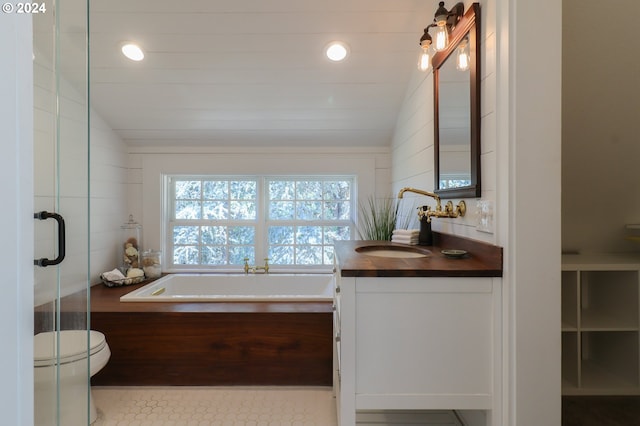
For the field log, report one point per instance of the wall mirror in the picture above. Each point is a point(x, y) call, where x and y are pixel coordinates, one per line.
point(457, 111)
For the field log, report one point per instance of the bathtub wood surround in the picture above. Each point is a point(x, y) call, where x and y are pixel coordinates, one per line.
point(417, 333)
point(211, 343)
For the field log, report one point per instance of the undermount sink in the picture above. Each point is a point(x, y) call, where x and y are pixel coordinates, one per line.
point(393, 251)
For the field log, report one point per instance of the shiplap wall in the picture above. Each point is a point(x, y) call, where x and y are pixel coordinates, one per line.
point(146, 166)
point(412, 155)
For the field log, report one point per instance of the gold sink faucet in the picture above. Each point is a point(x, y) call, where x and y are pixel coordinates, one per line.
point(448, 211)
point(421, 192)
point(256, 269)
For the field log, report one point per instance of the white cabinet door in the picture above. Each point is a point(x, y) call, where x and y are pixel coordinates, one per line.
point(423, 343)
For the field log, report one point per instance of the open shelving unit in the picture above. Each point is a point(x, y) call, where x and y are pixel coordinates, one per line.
point(600, 325)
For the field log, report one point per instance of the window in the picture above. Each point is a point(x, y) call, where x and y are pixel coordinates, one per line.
point(213, 221)
point(305, 217)
point(219, 221)
point(448, 181)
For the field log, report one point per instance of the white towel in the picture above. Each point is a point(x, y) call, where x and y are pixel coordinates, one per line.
point(408, 232)
point(404, 240)
point(114, 275)
point(405, 237)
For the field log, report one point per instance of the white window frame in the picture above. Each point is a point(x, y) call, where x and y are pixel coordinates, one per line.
point(261, 223)
point(301, 222)
point(173, 222)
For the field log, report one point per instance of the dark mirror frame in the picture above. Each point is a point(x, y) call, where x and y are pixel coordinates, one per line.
point(468, 24)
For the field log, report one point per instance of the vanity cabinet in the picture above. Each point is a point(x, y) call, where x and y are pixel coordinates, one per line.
point(600, 325)
point(415, 343)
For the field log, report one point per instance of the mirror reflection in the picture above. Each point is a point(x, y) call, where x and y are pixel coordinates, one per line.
point(454, 129)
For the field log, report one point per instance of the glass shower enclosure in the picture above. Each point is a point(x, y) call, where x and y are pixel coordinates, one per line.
point(61, 217)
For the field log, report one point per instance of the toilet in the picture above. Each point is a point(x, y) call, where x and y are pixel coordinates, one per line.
point(73, 375)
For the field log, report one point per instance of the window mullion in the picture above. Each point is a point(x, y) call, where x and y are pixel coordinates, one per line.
point(261, 227)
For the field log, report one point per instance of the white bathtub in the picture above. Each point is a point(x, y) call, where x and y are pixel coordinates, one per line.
point(235, 288)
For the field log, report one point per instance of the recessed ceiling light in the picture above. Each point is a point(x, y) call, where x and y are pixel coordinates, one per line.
point(132, 51)
point(337, 51)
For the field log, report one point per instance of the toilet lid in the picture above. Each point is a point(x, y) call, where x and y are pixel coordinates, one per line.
point(73, 346)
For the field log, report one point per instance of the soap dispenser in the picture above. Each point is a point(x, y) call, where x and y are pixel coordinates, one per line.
point(425, 237)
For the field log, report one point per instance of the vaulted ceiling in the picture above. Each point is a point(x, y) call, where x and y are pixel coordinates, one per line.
point(252, 72)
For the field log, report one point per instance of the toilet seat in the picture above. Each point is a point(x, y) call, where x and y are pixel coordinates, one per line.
point(73, 346)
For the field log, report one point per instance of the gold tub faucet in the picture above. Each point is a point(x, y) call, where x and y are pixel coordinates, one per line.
point(256, 269)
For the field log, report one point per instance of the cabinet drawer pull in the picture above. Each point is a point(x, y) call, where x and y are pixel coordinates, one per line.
point(338, 289)
point(338, 337)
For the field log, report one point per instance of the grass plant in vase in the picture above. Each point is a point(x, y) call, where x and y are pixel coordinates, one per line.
point(377, 218)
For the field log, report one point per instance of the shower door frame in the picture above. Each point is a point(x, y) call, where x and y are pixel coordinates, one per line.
point(16, 252)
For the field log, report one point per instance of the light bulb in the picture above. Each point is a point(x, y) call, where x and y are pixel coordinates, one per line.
point(424, 58)
point(462, 61)
point(423, 61)
point(441, 38)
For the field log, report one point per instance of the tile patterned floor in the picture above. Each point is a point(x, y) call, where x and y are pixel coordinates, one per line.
point(209, 406)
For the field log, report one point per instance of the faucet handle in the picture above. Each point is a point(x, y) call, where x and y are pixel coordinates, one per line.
point(449, 207)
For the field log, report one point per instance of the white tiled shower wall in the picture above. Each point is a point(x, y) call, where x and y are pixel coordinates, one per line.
point(108, 184)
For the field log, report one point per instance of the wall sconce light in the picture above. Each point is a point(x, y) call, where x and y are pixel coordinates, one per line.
point(424, 59)
point(444, 22)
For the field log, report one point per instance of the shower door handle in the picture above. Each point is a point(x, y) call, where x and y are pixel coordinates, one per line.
point(43, 215)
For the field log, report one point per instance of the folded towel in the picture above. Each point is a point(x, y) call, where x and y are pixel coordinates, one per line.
point(404, 240)
point(114, 275)
point(406, 232)
point(407, 243)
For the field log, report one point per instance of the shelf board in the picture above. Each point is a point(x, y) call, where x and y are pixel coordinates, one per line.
point(601, 262)
point(572, 390)
point(568, 385)
point(606, 329)
point(569, 327)
point(592, 320)
point(597, 378)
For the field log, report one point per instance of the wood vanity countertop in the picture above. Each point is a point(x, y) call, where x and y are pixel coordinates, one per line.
point(481, 260)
